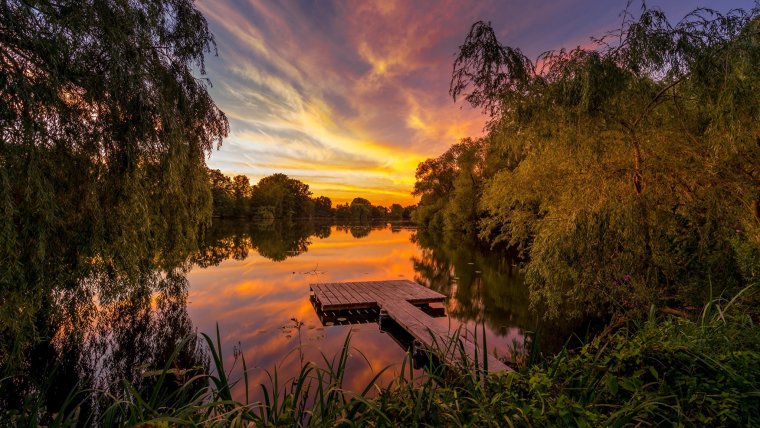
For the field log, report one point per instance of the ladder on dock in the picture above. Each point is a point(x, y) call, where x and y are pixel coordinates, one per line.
point(398, 300)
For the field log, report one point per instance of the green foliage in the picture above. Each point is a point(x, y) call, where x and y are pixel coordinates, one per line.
point(288, 198)
point(231, 196)
point(241, 190)
point(626, 175)
point(279, 197)
point(396, 212)
point(664, 371)
point(221, 193)
point(361, 209)
point(450, 185)
point(104, 129)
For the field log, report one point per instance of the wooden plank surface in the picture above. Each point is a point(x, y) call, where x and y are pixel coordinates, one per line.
point(437, 338)
point(355, 295)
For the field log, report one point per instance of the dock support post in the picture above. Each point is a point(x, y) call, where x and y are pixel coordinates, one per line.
point(419, 357)
point(417, 349)
point(383, 318)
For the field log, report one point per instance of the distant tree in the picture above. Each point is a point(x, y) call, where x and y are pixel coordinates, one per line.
point(396, 212)
point(221, 193)
point(343, 211)
point(241, 193)
point(287, 198)
point(379, 212)
point(323, 207)
point(361, 209)
point(408, 212)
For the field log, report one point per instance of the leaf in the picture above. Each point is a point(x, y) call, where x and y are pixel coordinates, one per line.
point(612, 384)
point(654, 372)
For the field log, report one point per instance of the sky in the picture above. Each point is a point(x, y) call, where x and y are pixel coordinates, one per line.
point(349, 96)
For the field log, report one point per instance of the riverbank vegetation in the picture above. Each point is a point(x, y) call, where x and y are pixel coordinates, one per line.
point(664, 370)
point(104, 131)
point(625, 174)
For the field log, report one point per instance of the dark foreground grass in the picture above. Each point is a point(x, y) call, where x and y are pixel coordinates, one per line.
point(660, 371)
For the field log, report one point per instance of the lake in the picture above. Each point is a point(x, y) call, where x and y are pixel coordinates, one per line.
point(258, 290)
point(252, 281)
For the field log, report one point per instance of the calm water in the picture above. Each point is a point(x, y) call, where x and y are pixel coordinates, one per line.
point(252, 281)
point(257, 286)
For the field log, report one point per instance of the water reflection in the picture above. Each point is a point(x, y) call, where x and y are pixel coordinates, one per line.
point(254, 299)
point(486, 287)
point(252, 280)
point(274, 240)
point(109, 327)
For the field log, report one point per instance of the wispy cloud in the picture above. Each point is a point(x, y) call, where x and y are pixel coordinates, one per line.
point(350, 96)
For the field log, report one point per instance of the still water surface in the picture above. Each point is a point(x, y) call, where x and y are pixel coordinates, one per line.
point(254, 283)
point(252, 280)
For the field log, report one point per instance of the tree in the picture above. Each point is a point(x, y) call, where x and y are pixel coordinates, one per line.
point(449, 186)
point(626, 174)
point(343, 211)
point(287, 198)
point(105, 124)
point(408, 212)
point(241, 192)
point(361, 209)
point(323, 207)
point(396, 211)
point(221, 193)
point(379, 212)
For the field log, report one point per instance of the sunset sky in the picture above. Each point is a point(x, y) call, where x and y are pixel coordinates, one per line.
point(349, 96)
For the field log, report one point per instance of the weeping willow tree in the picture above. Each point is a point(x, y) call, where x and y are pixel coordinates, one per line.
point(104, 129)
point(627, 174)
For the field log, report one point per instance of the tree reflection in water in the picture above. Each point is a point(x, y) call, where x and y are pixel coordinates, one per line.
point(276, 241)
point(485, 286)
point(112, 320)
point(107, 328)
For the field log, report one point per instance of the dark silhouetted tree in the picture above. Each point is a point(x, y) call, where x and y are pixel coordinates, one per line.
point(323, 207)
point(241, 193)
point(105, 123)
point(361, 209)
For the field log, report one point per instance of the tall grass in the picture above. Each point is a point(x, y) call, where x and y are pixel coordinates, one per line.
point(663, 370)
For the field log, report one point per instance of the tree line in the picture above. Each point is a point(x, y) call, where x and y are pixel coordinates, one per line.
point(626, 175)
point(279, 197)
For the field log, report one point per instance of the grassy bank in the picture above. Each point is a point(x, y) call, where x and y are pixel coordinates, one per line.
point(703, 371)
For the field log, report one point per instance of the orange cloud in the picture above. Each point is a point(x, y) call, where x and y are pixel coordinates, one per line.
point(306, 101)
point(357, 92)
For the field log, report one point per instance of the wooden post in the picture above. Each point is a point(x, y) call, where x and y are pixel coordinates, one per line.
point(417, 349)
point(383, 318)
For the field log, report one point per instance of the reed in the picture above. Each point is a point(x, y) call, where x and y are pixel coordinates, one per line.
point(660, 370)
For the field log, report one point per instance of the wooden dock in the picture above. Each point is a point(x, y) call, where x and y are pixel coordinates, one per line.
point(399, 300)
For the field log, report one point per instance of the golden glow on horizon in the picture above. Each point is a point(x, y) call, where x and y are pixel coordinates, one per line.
point(352, 113)
point(351, 96)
